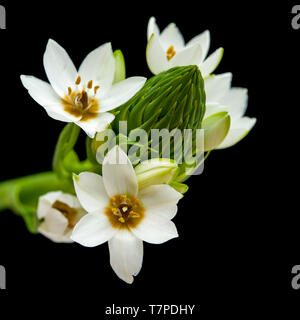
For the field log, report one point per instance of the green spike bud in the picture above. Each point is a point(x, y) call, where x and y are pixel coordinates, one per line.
point(172, 99)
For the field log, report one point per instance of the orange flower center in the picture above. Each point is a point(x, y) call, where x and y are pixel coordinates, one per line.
point(124, 211)
point(170, 53)
point(82, 103)
point(66, 211)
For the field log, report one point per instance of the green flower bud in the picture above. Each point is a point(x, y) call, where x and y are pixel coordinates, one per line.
point(172, 99)
point(155, 171)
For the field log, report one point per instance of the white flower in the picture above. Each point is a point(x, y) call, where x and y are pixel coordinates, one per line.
point(58, 212)
point(82, 97)
point(123, 215)
point(221, 97)
point(167, 49)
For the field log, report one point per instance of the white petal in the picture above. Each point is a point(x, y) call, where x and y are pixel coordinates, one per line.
point(211, 63)
point(118, 174)
point(152, 28)
point(55, 222)
point(212, 108)
point(90, 191)
point(171, 36)
point(65, 238)
point(59, 68)
point(98, 124)
point(236, 101)
point(99, 66)
point(61, 115)
point(156, 56)
point(70, 200)
point(93, 229)
point(216, 87)
point(121, 92)
point(45, 203)
point(40, 91)
point(155, 228)
point(44, 94)
point(204, 40)
point(187, 56)
point(238, 130)
point(162, 198)
point(126, 255)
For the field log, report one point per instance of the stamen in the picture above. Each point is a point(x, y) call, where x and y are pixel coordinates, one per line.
point(78, 80)
point(115, 211)
point(170, 53)
point(122, 220)
point(69, 91)
point(90, 84)
point(96, 89)
point(134, 214)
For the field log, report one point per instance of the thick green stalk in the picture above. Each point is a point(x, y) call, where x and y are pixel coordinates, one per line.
point(21, 195)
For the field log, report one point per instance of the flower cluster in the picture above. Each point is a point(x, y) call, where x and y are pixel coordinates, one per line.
point(117, 195)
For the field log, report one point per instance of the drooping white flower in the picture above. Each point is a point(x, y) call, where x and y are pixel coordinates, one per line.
point(58, 212)
point(167, 49)
point(220, 96)
point(123, 215)
point(82, 97)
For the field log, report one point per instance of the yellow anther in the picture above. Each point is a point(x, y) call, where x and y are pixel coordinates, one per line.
point(69, 91)
point(115, 211)
point(90, 84)
point(122, 220)
point(96, 89)
point(78, 80)
point(170, 53)
point(134, 214)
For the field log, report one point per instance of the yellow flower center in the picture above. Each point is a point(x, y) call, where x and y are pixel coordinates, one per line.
point(67, 211)
point(82, 103)
point(170, 53)
point(124, 211)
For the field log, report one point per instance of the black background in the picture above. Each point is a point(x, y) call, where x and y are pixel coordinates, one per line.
point(238, 229)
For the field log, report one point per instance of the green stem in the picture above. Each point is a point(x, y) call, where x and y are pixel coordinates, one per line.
point(21, 195)
point(65, 144)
